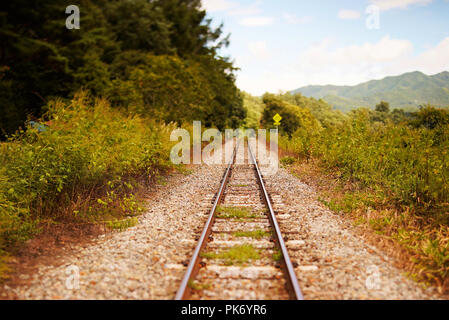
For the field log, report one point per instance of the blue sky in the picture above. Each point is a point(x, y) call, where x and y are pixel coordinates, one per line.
point(287, 44)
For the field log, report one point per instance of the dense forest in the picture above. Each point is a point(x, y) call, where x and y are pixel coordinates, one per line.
point(149, 57)
point(86, 114)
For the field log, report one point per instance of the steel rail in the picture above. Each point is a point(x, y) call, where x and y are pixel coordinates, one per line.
point(289, 271)
point(193, 267)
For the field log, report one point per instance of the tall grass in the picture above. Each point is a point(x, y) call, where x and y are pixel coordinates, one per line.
point(401, 170)
point(411, 164)
point(86, 163)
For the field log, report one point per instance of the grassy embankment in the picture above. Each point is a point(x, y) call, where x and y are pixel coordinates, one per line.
point(387, 171)
point(88, 165)
point(393, 179)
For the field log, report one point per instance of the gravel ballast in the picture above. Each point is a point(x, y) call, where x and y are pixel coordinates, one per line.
point(332, 261)
point(148, 261)
point(133, 264)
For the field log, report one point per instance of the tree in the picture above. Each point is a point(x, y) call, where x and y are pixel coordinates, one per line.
point(191, 34)
point(383, 107)
point(140, 25)
point(320, 109)
point(41, 59)
point(430, 117)
point(293, 117)
point(41, 56)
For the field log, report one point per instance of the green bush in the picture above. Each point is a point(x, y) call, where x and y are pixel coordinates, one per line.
point(402, 167)
point(410, 164)
point(254, 107)
point(320, 109)
point(294, 118)
point(160, 85)
point(404, 161)
point(87, 153)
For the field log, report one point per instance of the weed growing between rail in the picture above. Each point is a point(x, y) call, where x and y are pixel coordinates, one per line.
point(235, 213)
point(236, 255)
point(256, 234)
point(89, 164)
point(277, 255)
point(194, 285)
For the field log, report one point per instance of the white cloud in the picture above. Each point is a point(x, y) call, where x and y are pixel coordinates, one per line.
point(293, 19)
point(433, 60)
point(349, 14)
point(251, 9)
point(385, 50)
point(323, 63)
point(258, 21)
point(232, 8)
point(401, 4)
point(218, 5)
point(259, 50)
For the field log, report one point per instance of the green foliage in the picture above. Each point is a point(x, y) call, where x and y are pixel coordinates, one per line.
point(287, 161)
point(140, 25)
point(227, 111)
point(256, 234)
point(294, 118)
point(113, 54)
point(397, 161)
point(277, 255)
point(235, 213)
point(160, 85)
point(409, 163)
point(298, 126)
point(404, 160)
point(254, 107)
point(431, 118)
point(86, 164)
point(122, 225)
point(320, 109)
point(176, 90)
point(383, 107)
point(156, 61)
point(198, 286)
point(236, 255)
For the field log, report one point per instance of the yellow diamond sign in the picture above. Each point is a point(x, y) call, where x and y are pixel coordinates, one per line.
point(277, 119)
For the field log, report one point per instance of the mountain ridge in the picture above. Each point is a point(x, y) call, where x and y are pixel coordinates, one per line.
point(407, 91)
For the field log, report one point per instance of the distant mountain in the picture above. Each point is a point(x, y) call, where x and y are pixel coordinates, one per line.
point(407, 91)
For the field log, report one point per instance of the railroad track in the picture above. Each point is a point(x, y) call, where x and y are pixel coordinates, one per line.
point(241, 254)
